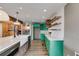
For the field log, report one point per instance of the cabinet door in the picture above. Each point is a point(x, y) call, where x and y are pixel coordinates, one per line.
point(5, 29)
point(22, 50)
point(0, 29)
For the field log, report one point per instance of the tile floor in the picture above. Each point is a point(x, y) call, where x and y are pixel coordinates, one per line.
point(36, 49)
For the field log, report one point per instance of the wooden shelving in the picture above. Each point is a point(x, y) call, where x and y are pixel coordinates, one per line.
point(55, 24)
point(55, 19)
point(50, 21)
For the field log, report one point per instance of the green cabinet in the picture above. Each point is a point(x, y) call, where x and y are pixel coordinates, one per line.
point(42, 37)
point(36, 25)
point(54, 47)
point(43, 26)
point(47, 43)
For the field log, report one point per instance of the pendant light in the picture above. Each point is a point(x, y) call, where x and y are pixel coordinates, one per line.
point(17, 22)
point(27, 27)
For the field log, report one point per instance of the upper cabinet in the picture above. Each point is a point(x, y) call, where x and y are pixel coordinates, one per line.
point(5, 24)
point(6, 29)
point(43, 26)
point(36, 25)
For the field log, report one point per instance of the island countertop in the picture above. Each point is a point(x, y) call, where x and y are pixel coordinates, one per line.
point(22, 38)
point(9, 41)
point(6, 43)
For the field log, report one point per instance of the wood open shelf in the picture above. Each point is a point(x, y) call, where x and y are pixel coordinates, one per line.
point(50, 21)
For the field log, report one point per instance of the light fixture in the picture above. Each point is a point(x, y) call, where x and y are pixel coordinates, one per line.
point(3, 16)
point(44, 10)
point(0, 7)
point(0, 14)
point(17, 22)
point(27, 27)
point(20, 8)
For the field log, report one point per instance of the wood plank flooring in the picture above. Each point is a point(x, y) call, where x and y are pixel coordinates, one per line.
point(36, 49)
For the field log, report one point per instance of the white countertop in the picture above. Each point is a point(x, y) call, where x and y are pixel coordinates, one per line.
point(9, 41)
point(53, 37)
point(6, 43)
point(22, 38)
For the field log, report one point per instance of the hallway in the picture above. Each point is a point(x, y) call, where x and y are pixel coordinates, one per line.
point(36, 49)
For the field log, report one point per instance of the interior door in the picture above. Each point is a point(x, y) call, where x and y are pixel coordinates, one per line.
point(37, 33)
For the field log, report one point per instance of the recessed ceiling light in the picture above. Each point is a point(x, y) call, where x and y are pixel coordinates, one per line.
point(20, 8)
point(44, 10)
point(0, 14)
point(0, 7)
point(15, 16)
point(27, 16)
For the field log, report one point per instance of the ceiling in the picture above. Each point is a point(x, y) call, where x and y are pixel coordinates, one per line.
point(31, 12)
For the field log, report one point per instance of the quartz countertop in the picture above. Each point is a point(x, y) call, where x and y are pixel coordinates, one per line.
point(22, 38)
point(9, 41)
point(6, 43)
point(46, 34)
point(54, 36)
point(49, 37)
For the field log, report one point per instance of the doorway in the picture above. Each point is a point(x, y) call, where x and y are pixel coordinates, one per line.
point(36, 33)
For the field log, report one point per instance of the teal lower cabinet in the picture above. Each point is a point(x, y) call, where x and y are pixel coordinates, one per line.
point(42, 37)
point(47, 43)
point(55, 47)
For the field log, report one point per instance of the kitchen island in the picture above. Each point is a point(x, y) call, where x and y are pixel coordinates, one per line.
point(25, 41)
point(7, 46)
point(10, 45)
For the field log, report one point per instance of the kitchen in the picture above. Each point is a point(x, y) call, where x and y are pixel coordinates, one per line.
point(23, 33)
point(11, 40)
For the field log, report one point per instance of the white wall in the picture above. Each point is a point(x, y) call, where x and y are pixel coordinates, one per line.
point(59, 35)
point(72, 26)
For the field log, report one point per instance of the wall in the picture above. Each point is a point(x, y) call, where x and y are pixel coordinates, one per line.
point(56, 42)
point(58, 35)
point(36, 31)
point(72, 26)
point(31, 31)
